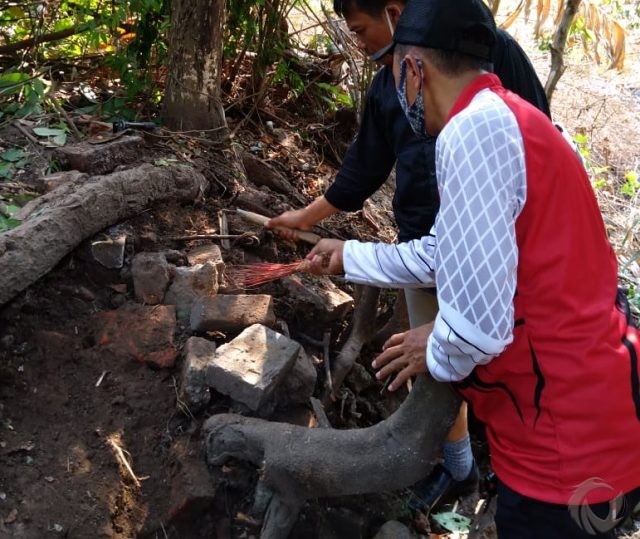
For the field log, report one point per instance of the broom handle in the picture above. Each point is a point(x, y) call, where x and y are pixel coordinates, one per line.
point(258, 219)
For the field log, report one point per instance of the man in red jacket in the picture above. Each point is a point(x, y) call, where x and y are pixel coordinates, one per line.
point(532, 329)
point(385, 140)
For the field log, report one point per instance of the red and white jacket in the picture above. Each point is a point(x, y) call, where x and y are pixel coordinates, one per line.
point(531, 329)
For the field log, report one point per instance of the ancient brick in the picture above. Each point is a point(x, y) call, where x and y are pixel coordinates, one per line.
point(139, 332)
point(206, 253)
point(150, 272)
point(251, 366)
point(189, 284)
point(194, 391)
point(231, 312)
point(318, 297)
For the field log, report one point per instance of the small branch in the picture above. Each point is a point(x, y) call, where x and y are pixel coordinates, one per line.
point(26, 133)
point(34, 141)
point(223, 225)
point(72, 125)
point(54, 36)
point(120, 457)
point(318, 411)
point(326, 340)
point(223, 237)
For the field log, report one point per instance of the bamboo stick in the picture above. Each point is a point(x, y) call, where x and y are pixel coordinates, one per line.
point(258, 219)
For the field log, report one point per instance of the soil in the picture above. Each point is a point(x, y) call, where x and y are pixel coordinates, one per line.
point(64, 401)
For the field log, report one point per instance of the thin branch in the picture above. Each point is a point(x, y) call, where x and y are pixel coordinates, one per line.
point(54, 36)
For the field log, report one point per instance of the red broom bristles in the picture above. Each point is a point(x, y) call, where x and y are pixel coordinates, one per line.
point(253, 275)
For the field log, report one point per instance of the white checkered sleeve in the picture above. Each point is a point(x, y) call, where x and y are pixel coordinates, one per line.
point(471, 253)
point(480, 165)
point(406, 265)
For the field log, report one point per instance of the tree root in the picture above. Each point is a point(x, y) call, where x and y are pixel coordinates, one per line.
point(300, 463)
point(362, 330)
point(62, 219)
point(398, 323)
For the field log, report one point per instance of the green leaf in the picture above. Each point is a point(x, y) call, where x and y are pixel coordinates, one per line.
point(6, 172)
point(579, 138)
point(11, 79)
point(60, 140)
point(47, 132)
point(7, 223)
point(13, 154)
point(631, 176)
point(453, 522)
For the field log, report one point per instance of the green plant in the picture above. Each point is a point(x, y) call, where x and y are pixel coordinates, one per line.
point(633, 297)
point(630, 184)
point(128, 34)
point(54, 136)
point(334, 96)
point(22, 93)
point(12, 159)
point(7, 216)
point(582, 142)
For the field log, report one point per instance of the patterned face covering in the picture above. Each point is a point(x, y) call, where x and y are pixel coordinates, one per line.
point(415, 112)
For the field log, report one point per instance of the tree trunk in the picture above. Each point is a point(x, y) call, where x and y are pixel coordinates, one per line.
point(192, 99)
point(558, 46)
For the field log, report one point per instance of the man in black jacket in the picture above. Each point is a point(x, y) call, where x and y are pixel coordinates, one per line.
point(386, 139)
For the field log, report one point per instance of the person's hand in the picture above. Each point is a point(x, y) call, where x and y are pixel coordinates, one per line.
point(326, 257)
point(404, 353)
point(294, 219)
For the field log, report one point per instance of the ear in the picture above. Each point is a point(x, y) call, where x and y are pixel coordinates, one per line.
point(395, 10)
point(414, 73)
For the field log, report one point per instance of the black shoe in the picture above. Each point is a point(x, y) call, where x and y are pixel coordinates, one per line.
point(426, 493)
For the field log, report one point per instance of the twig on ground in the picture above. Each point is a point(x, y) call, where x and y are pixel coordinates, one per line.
point(104, 373)
point(223, 237)
point(318, 411)
point(387, 381)
point(326, 340)
point(181, 404)
point(223, 224)
point(26, 133)
point(113, 441)
point(72, 125)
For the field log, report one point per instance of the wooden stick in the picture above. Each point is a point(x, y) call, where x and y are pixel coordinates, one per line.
point(326, 340)
point(258, 219)
point(213, 237)
point(26, 133)
point(223, 225)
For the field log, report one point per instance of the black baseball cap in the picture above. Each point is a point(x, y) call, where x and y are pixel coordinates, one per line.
point(465, 26)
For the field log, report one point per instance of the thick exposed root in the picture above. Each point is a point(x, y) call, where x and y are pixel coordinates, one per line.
point(70, 214)
point(299, 463)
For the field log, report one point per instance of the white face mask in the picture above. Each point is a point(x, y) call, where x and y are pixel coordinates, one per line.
point(380, 54)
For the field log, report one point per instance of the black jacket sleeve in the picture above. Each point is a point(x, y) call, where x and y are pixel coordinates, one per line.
point(517, 73)
point(370, 157)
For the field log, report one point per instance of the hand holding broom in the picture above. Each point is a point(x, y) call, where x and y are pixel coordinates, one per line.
point(316, 262)
point(290, 233)
point(326, 257)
